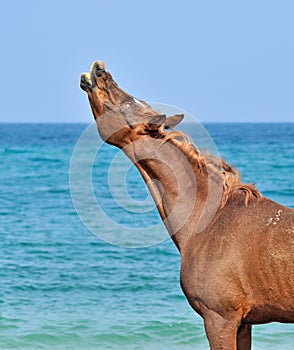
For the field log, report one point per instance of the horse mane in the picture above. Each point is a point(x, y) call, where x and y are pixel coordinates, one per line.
point(228, 174)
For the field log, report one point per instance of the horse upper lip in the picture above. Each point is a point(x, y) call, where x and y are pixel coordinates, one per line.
point(97, 69)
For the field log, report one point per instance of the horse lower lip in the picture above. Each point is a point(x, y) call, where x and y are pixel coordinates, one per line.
point(85, 82)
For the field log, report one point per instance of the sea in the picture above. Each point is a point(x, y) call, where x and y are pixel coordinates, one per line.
point(68, 282)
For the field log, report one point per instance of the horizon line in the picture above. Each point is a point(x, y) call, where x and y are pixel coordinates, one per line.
point(184, 122)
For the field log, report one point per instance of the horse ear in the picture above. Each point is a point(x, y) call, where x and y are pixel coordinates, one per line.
point(156, 122)
point(174, 120)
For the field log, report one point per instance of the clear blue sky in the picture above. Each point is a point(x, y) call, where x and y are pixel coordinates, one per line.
point(219, 60)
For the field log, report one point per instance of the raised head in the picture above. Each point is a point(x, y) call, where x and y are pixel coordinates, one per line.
point(121, 118)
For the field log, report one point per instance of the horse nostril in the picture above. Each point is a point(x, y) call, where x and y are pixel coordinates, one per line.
point(99, 71)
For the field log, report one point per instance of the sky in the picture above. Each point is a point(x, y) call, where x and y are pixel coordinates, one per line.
point(222, 61)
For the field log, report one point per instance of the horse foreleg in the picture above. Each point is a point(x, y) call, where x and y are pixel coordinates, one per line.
point(244, 337)
point(221, 333)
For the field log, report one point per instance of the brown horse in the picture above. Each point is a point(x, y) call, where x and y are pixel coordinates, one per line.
point(237, 265)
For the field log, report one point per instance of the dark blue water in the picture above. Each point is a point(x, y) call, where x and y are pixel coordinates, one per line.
point(63, 288)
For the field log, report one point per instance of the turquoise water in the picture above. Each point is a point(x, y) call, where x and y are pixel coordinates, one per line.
point(63, 288)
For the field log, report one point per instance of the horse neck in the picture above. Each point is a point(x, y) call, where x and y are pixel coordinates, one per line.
point(178, 185)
